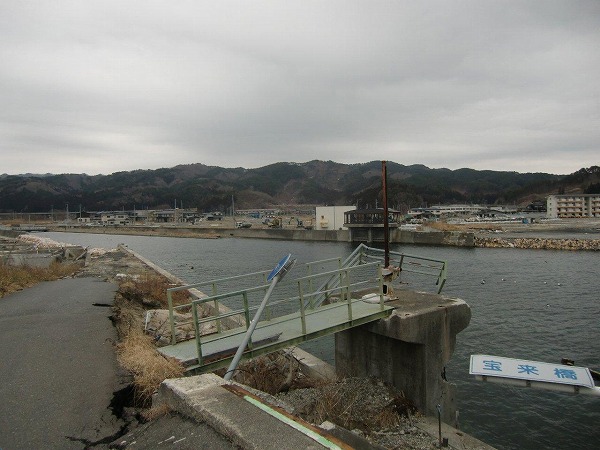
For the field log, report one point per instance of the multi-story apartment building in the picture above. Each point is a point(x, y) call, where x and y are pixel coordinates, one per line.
point(573, 206)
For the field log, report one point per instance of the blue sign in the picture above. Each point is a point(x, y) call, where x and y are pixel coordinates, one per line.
point(497, 366)
point(280, 265)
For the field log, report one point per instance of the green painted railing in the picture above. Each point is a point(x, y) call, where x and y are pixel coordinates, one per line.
point(341, 293)
point(335, 281)
point(408, 264)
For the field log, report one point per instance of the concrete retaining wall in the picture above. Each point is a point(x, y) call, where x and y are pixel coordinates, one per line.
point(10, 233)
point(453, 238)
point(290, 234)
point(397, 236)
point(42, 260)
point(409, 349)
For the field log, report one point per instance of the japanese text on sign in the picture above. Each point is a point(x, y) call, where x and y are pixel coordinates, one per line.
point(497, 366)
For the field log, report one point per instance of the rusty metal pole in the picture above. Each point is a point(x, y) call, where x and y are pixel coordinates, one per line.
point(386, 228)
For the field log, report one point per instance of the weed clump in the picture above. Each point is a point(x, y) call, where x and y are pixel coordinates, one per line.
point(136, 351)
point(149, 368)
point(151, 291)
point(365, 404)
point(273, 373)
point(16, 278)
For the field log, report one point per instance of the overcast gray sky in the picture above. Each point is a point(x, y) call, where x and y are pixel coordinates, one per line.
point(105, 86)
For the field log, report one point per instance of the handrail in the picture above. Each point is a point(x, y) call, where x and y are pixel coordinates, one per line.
point(363, 253)
point(331, 283)
point(344, 290)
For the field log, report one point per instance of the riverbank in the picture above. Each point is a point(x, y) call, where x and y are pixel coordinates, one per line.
point(538, 243)
point(504, 235)
point(118, 265)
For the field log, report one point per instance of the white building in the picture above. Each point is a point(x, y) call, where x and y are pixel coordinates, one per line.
point(447, 210)
point(331, 217)
point(114, 218)
point(573, 206)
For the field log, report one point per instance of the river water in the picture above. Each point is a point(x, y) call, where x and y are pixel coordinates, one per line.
point(541, 305)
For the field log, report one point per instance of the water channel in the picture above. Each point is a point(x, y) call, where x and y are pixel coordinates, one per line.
point(540, 305)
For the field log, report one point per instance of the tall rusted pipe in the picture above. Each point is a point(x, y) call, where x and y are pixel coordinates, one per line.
point(386, 225)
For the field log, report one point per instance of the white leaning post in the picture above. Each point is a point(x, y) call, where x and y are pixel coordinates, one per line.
point(274, 277)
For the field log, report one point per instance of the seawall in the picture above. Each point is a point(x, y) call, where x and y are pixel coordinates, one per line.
point(397, 236)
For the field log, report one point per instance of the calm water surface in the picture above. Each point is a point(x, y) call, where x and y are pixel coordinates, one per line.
point(531, 304)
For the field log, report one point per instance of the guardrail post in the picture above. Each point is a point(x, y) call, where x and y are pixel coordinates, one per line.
point(441, 278)
point(380, 272)
point(310, 280)
point(300, 291)
point(197, 332)
point(348, 296)
point(171, 317)
point(302, 314)
point(341, 275)
point(247, 317)
point(217, 315)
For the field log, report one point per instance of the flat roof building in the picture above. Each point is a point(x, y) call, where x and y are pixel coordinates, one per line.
point(573, 206)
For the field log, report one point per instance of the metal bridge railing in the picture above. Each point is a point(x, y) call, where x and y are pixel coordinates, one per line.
point(232, 300)
point(340, 293)
point(427, 267)
point(249, 279)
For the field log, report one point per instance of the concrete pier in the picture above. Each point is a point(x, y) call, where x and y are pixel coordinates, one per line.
point(409, 349)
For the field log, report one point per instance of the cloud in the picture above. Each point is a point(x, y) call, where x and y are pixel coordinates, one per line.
point(99, 87)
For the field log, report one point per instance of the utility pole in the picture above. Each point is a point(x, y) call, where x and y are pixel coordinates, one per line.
point(386, 226)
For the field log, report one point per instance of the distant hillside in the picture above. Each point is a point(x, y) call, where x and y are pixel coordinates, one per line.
point(316, 182)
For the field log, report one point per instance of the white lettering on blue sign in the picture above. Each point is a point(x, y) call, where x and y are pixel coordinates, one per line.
point(497, 366)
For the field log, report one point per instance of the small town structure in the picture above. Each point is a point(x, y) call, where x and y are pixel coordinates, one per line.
point(331, 217)
point(573, 206)
point(367, 225)
point(114, 218)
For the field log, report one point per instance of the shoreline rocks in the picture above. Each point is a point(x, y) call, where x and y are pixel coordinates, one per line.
point(538, 243)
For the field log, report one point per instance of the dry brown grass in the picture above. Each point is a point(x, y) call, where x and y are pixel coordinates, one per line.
point(155, 412)
point(272, 373)
point(443, 226)
point(357, 406)
point(338, 405)
point(137, 354)
point(151, 290)
point(16, 278)
point(136, 351)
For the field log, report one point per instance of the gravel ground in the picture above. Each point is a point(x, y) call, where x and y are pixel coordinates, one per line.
point(367, 407)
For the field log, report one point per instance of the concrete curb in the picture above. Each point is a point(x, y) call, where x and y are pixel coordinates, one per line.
point(203, 398)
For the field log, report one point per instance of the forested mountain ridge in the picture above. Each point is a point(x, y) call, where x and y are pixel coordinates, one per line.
point(315, 182)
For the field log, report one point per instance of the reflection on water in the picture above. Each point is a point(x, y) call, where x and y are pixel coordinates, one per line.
point(531, 304)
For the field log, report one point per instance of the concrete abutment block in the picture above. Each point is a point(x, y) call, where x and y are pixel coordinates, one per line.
point(409, 349)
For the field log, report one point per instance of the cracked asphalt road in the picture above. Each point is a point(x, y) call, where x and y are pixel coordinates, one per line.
point(58, 368)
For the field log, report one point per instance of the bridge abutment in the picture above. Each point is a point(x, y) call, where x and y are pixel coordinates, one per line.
point(409, 349)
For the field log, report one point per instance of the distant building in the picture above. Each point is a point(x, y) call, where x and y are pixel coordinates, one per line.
point(440, 211)
point(367, 225)
point(331, 217)
point(114, 218)
point(573, 206)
